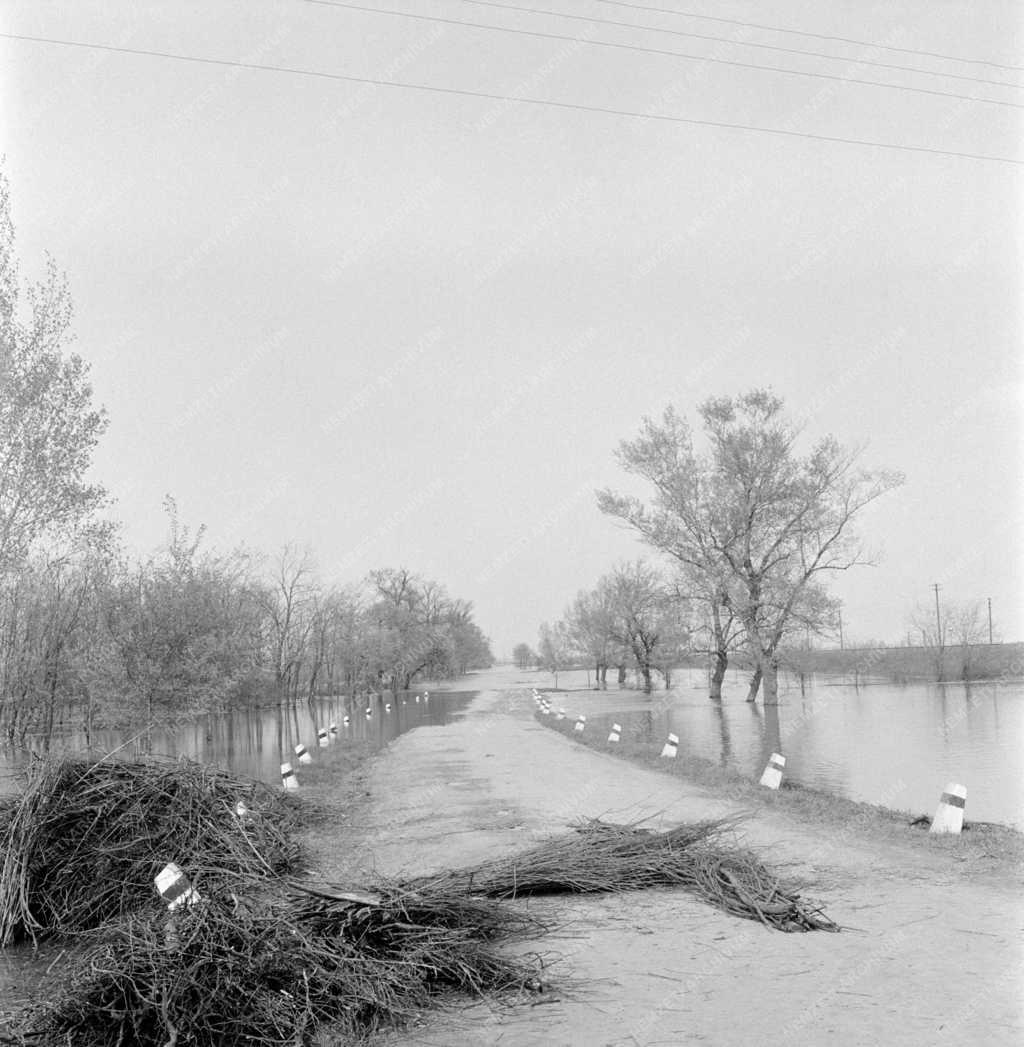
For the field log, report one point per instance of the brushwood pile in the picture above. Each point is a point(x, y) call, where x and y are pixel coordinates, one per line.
point(264, 955)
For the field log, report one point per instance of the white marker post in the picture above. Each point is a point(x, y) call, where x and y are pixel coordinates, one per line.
point(772, 777)
point(580, 724)
point(174, 887)
point(321, 737)
point(671, 747)
point(303, 753)
point(288, 779)
point(949, 818)
point(613, 734)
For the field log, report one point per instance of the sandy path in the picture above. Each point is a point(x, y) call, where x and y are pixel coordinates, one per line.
point(934, 958)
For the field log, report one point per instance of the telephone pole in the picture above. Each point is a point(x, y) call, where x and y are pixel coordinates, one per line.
point(841, 645)
point(938, 617)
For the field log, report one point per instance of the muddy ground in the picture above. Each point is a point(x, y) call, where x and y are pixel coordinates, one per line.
point(931, 952)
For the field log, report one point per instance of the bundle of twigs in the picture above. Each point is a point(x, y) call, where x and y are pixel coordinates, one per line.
point(600, 857)
point(262, 960)
point(83, 841)
point(274, 971)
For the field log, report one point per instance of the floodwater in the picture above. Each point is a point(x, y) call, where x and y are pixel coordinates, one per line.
point(894, 745)
point(257, 742)
point(250, 743)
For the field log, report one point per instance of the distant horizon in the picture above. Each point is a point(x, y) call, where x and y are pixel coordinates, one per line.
point(411, 326)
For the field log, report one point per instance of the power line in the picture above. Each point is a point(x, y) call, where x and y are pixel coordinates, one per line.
point(517, 99)
point(741, 43)
point(659, 51)
point(813, 36)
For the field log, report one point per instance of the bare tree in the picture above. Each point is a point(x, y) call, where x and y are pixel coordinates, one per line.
point(681, 523)
point(289, 603)
point(960, 624)
point(523, 656)
point(554, 648)
point(646, 620)
point(591, 624)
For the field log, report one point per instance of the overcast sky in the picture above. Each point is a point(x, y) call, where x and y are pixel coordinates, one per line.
point(409, 327)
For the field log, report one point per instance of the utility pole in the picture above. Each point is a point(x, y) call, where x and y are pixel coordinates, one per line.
point(938, 618)
point(842, 647)
point(990, 621)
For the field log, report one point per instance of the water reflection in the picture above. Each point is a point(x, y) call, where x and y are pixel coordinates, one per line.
point(257, 742)
point(892, 744)
point(725, 756)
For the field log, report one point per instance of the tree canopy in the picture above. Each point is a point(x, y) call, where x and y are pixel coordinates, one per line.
point(756, 525)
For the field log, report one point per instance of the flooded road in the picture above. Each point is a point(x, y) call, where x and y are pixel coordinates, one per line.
point(256, 742)
point(895, 745)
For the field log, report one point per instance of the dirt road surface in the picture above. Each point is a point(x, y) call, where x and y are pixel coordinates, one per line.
point(930, 955)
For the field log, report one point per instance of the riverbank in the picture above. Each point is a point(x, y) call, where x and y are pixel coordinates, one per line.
point(982, 845)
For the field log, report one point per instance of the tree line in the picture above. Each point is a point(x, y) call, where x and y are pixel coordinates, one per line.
point(749, 528)
point(90, 637)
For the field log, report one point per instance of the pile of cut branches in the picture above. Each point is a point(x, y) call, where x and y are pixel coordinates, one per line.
point(82, 842)
point(599, 857)
point(276, 969)
point(262, 959)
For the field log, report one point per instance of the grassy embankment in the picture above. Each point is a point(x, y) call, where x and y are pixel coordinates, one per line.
point(982, 844)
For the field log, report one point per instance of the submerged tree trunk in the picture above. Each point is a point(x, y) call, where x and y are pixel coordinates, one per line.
point(718, 674)
point(755, 684)
point(770, 674)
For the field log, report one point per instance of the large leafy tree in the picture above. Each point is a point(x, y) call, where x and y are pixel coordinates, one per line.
point(48, 424)
point(761, 523)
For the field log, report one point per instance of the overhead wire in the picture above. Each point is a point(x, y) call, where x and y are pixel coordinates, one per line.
point(810, 35)
point(514, 99)
point(343, 4)
point(739, 43)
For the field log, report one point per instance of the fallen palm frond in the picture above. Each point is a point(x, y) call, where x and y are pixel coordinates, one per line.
point(274, 971)
point(600, 857)
point(82, 842)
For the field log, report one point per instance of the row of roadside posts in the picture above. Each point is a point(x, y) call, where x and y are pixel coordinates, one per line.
point(949, 818)
point(324, 737)
point(173, 885)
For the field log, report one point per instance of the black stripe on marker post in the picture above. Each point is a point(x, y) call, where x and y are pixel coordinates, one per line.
point(179, 887)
